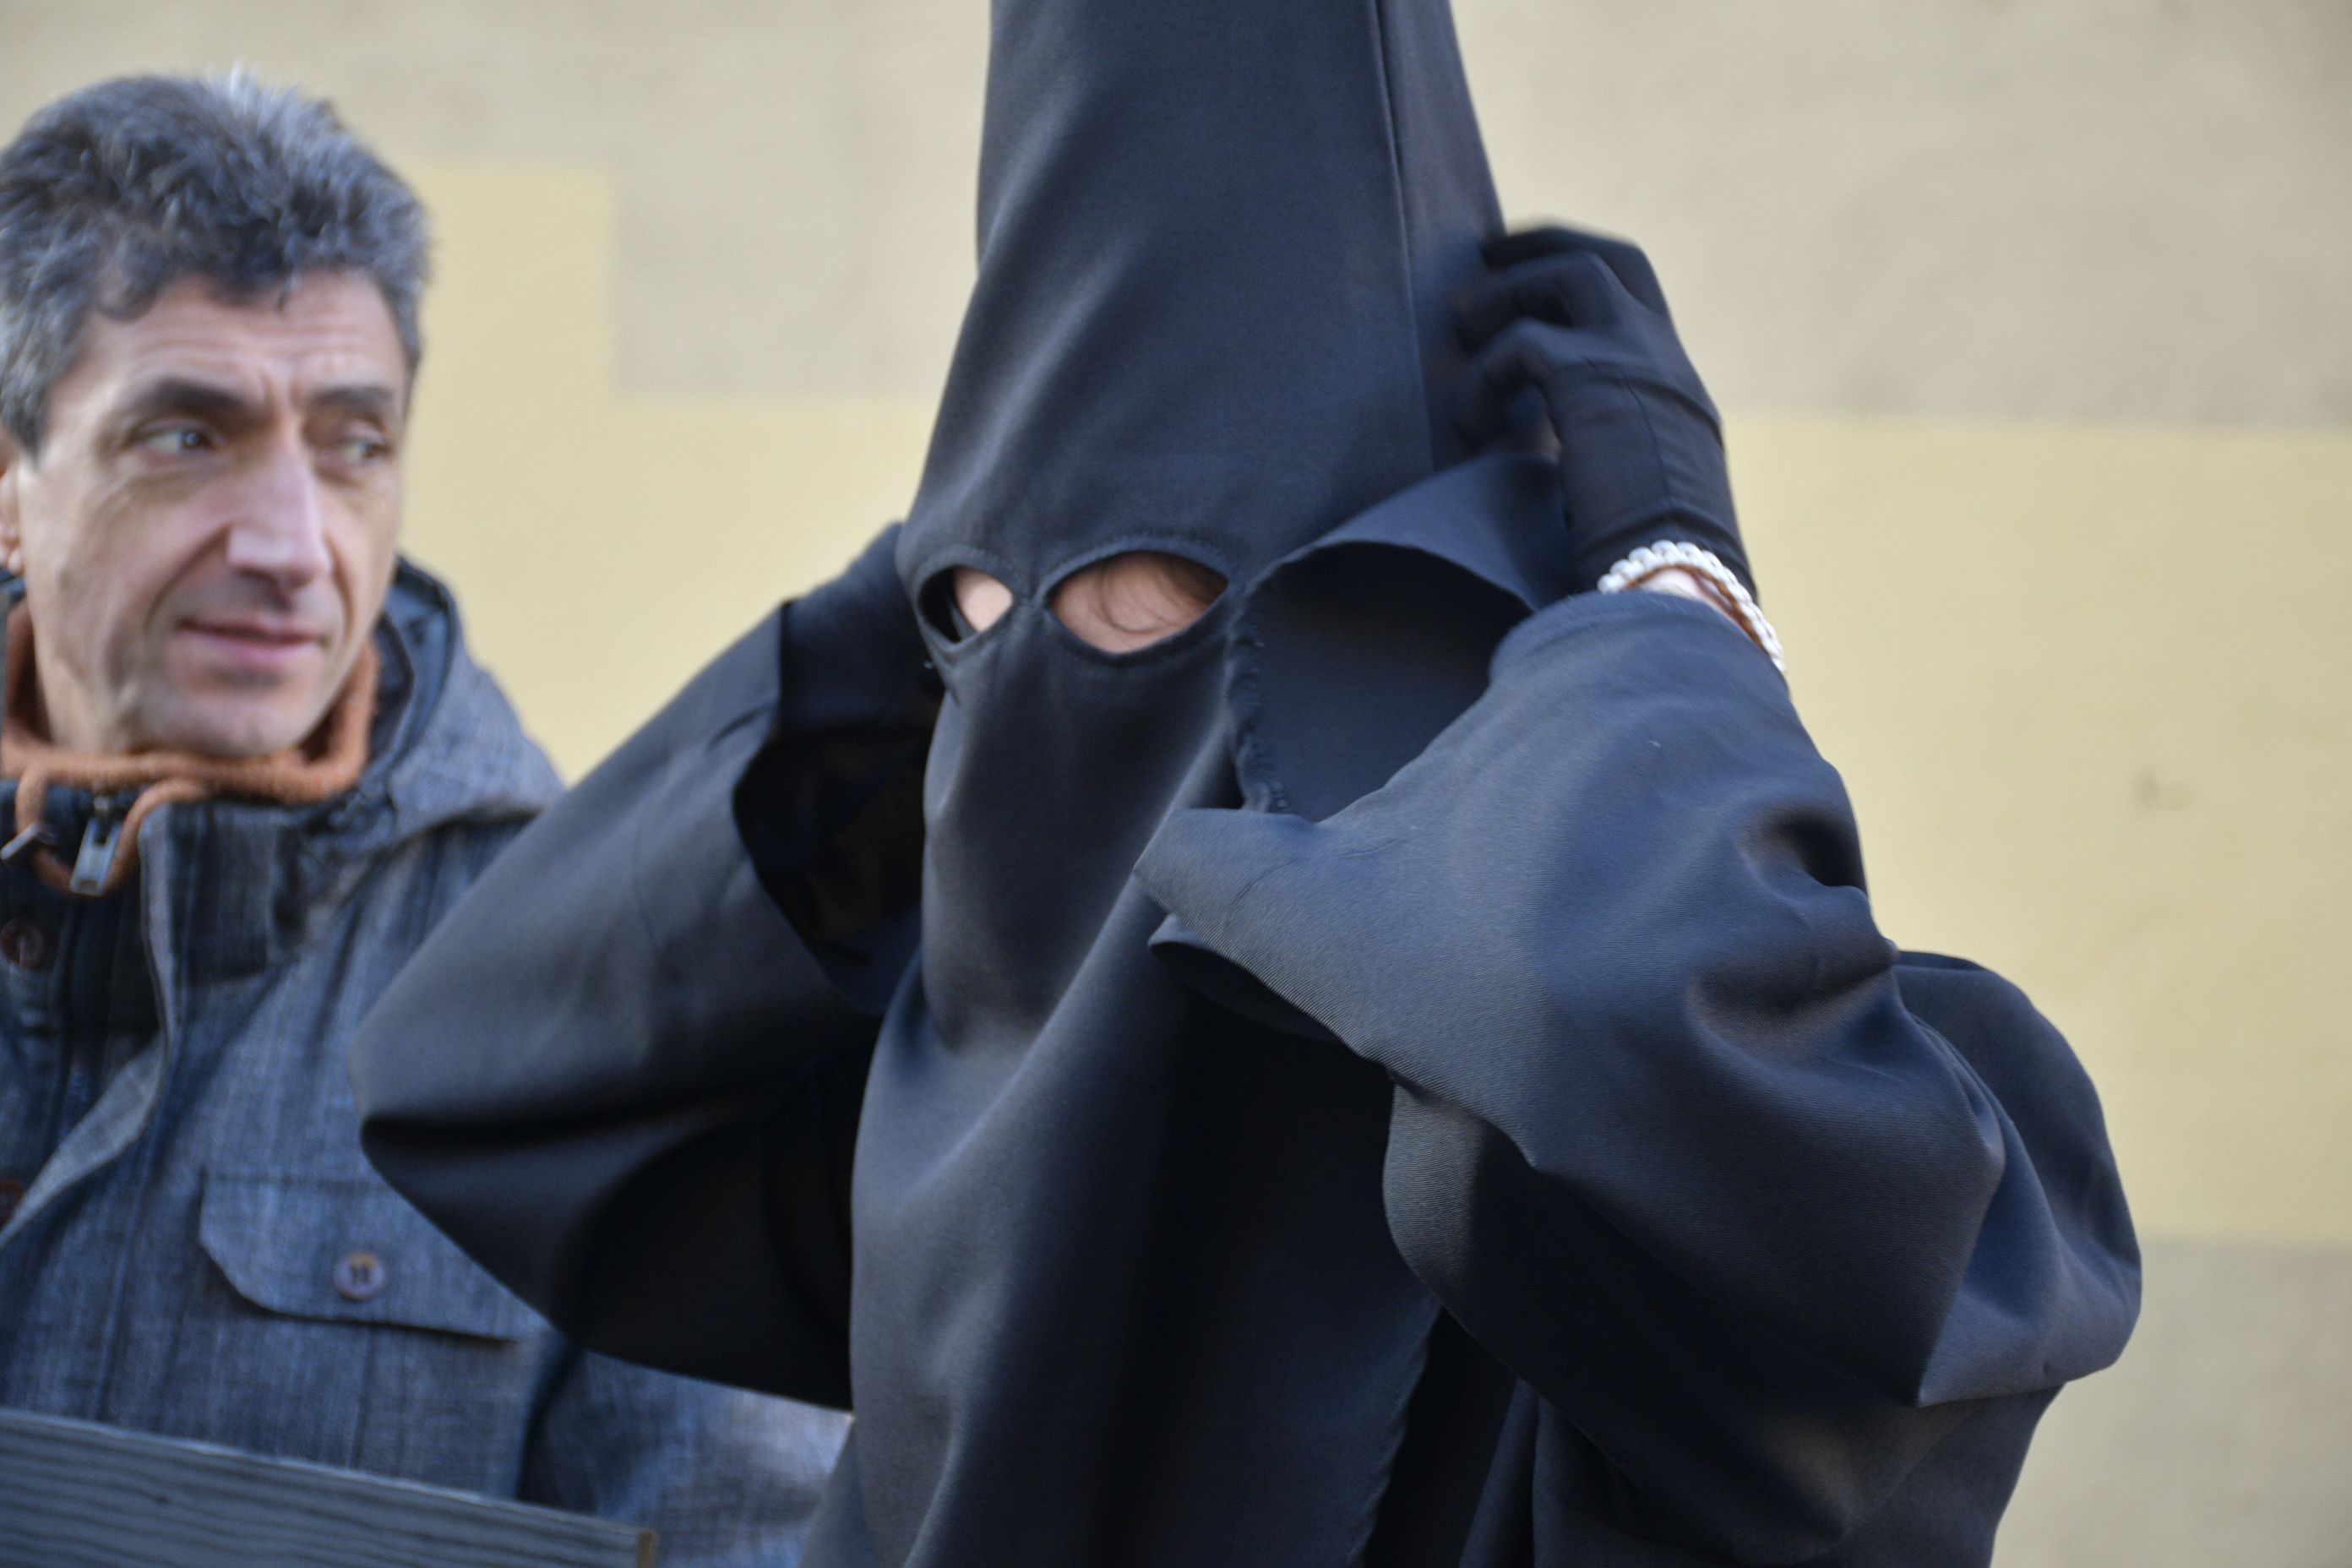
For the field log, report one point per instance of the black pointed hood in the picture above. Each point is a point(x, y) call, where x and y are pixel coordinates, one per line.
point(1216, 238)
point(1095, 1214)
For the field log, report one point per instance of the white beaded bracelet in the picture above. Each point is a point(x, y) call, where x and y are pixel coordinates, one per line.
point(1668, 554)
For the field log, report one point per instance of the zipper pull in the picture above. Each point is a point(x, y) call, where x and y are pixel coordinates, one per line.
point(95, 860)
point(14, 848)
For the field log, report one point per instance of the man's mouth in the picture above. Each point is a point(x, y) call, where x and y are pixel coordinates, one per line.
point(258, 645)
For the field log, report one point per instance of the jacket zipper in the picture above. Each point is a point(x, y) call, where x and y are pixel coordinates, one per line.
point(100, 842)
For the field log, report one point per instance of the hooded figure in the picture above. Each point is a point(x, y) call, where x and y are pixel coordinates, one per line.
point(1399, 1070)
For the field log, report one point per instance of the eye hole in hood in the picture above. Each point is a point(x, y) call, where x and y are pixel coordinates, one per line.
point(1130, 601)
point(962, 602)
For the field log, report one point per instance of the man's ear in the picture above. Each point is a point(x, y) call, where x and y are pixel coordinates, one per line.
point(12, 539)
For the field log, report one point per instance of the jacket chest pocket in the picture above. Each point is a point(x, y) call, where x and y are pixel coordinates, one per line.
point(349, 1252)
point(354, 1333)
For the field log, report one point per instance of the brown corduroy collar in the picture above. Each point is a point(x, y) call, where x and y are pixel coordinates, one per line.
point(322, 767)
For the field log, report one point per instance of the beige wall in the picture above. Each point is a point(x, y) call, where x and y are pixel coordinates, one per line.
point(2034, 323)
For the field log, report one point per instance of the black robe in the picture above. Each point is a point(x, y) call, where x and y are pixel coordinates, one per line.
point(1402, 1070)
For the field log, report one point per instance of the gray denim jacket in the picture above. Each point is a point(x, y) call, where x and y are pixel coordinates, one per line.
point(199, 1249)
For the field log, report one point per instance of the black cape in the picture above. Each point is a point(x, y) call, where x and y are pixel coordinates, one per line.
point(1401, 1071)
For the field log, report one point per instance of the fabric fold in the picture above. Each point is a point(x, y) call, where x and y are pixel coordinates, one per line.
point(685, 1064)
point(1663, 1086)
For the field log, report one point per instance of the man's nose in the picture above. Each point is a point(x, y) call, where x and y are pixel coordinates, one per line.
point(281, 532)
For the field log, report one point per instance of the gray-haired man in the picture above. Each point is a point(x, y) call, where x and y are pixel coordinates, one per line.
point(247, 765)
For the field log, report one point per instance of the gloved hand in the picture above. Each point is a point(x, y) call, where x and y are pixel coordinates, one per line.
point(1581, 319)
point(830, 806)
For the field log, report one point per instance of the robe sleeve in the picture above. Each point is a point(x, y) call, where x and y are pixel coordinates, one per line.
point(1762, 1207)
point(619, 1073)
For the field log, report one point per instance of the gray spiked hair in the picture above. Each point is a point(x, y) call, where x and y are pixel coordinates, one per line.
point(112, 194)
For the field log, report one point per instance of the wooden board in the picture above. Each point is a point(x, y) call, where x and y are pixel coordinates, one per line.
point(77, 1494)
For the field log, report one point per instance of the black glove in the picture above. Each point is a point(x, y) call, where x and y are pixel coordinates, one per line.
point(831, 807)
point(1581, 319)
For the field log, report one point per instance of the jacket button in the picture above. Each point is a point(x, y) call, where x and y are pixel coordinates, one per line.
point(360, 1277)
point(24, 944)
point(11, 1192)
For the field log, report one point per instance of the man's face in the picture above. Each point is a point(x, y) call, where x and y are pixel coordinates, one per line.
point(207, 534)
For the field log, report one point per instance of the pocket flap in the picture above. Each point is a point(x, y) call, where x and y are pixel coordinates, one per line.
point(349, 1251)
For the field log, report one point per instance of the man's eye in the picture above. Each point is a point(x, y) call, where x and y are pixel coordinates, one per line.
point(175, 440)
point(362, 449)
